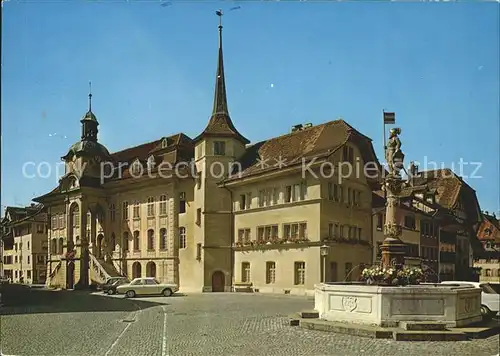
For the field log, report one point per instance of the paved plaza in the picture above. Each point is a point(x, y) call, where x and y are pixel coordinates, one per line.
point(80, 323)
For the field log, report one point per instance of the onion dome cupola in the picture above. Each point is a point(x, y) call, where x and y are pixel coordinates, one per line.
point(88, 146)
point(220, 123)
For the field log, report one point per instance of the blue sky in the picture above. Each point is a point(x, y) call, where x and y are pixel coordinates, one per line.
point(153, 69)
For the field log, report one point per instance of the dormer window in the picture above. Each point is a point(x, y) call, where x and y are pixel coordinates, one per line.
point(136, 167)
point(151, 163)
point(219, 148)
point(164, 143)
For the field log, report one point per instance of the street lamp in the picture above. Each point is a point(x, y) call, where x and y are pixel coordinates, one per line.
point(324, 252)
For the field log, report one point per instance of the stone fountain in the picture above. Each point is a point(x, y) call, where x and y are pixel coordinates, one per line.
point(389, 304)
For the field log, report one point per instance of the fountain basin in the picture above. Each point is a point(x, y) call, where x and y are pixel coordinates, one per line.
point(386, 306)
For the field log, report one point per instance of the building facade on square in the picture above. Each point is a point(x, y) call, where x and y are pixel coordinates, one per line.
point(488, 259)
point(214, 211)
point(24, 240)
point(440, 216)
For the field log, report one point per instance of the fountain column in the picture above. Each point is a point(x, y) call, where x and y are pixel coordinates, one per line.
point(393, 249)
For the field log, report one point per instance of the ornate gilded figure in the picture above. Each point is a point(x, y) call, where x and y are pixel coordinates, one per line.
point(393, 154)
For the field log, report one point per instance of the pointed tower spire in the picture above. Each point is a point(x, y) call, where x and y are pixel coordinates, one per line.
point(220, 124)
point(220, 98)
point(90, 96)
point(89, 121)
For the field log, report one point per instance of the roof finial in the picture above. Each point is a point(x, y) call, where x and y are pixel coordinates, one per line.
point(220, 14)
point(90, 96)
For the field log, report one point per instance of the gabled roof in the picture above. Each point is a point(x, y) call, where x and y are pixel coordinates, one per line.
point(316, 141)
point(21, 214)
point(488, 230)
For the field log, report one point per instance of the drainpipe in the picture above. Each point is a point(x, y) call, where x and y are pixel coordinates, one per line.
point(232, 232)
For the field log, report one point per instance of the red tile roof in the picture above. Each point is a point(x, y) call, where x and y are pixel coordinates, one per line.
point(316, 141)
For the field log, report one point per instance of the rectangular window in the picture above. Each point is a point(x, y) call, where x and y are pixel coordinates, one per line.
point(182, 203)
point(348, 154)
point(297, 192)
point(243, 201)
point(260, 233)
point(348, 274)
point(333, 272)
point(267, 233)
point(61, 221)
point(300, 273)
point(54, 222)
point(288, 194)
point(151, 206)
point(136, 211)
point(241, 235)
point(249, 200)
point(182, 237)
point(303, 230)
point(409, 222)
point(219, 148)
point(247, 235)
point(270, 272)
point(287, 231)
point(275, 196)
point(125, 210)
point(330, 230)
point(262, 195)
point(198, 216)
point(274, 231)
point(380, 221)
point(245, 272)
point(163, 205)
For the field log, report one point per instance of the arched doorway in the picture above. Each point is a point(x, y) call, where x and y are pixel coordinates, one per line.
point(136, 270)
point(218, 281)
point(151, 269)
point(70, 275)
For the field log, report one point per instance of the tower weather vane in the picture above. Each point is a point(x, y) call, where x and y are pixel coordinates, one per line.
point(220, 14)
point(90, 96)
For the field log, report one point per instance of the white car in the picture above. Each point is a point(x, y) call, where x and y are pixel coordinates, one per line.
point(146, 286)
point(490, 299)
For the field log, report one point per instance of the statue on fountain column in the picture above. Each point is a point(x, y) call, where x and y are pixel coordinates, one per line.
point(393, 154)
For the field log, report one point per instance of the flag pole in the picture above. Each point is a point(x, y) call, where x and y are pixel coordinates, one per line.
point(385, 148)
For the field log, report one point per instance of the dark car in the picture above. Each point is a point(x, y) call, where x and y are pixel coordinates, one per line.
point(109, 282)
point(111, 288)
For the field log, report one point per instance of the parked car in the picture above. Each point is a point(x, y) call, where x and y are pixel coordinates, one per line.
point(109, 282)
point(111, 288)
point(146, 286)
point(490, 299)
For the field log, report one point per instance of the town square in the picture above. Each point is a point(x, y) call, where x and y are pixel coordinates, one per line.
point(152, 208)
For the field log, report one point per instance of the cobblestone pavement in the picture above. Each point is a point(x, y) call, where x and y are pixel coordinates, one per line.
point(76, 323)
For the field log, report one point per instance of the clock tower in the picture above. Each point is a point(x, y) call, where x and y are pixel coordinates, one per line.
point(84, 158)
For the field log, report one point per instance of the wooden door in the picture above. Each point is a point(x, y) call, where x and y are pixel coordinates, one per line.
point(218, 281)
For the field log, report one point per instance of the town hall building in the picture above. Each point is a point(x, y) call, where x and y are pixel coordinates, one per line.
point(214, 212)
